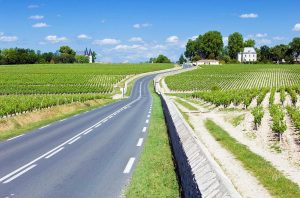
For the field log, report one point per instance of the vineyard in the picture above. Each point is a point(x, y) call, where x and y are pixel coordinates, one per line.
point(228, 77)
point(31, 87)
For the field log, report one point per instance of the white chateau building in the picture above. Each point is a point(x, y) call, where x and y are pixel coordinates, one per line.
point(89, 54)
point(249, 55)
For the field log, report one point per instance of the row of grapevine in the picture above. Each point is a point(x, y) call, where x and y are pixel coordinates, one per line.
point(17, 104)
point(225, 98)
point(261, 96)
point(295, 115)
point(258, 114)
point(293, 95)
point(278, 122)
point(272, 96)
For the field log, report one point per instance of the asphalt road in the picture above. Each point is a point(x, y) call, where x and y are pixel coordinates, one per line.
point(92, 154)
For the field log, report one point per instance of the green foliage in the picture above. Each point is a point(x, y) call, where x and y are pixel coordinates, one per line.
point(225, 98)
point(181, 59)
point(81, 59)
point(160, 59)
point(293, 94)
point(211, 44)
point(261, 96)
point(277, 114)
point(282, 95)
point(295, 46)
point(272, 96)
point(235, 44)
point(258, 114)
point(295, 115)
point(249, 43)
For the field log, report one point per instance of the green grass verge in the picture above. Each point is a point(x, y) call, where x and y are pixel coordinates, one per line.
point(271, 178)
point(21, 130)
point(236, 120)
point(186, 104)
point(155, 174)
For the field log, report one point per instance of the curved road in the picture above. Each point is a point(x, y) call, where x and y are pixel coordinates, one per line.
point(91, 154)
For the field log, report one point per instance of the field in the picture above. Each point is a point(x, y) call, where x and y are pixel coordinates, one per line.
point(265, 99)
point(30, 87)
point(227, 77)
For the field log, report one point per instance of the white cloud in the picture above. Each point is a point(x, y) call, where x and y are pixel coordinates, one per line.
point(83, 36)
point(296, 27)
point(278, 38)
point(160, 47)
point(172, 39)
point(248, 16)
point(130, 47)
point(40, 25)
point(136, 39)
point(143, 25)
point(33, 6)
point(4, 38)
point(36, 17)
point(263, 41)
point(55, 39)
point(107, 41)
point(194, 37)
point(259, 35)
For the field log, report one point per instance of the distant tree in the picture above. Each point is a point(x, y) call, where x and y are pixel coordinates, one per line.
point(249, 43)
point(181, 59)
point(211, 44)
point(191, 50)
point(196, 58)
point(81, 59)
point(94, 56)
point(295, 47)
point(264, 54)
point(278, 52)
point(162, 59)
point(67, 54)
point(152, 60)
point(235, 44)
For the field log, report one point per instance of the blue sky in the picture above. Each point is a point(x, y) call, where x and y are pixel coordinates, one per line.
point(135, 30)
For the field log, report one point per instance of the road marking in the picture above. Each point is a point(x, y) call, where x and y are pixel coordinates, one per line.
point(129, 165)
point(144, 129)
point(15, 137)
point(19, 174)
point(47, 157)
point(140, 142)
point(147, 121)
point(45, 126)
point(75, 115)
point(29, 164)
point(63, 120)
point(74, 140)
point(88, 131)
point(148, 116)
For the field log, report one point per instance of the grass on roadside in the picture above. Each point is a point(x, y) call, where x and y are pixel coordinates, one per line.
point(155, 174)
point(26, 127)
point(271, 178)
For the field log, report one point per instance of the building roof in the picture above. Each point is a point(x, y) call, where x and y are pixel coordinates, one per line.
point(249, 50)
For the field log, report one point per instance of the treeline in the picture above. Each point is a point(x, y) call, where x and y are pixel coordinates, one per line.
point(210, 46)
point(65, 54)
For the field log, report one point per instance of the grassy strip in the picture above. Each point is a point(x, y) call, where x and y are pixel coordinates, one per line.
point(155, 174)
point(272, 179)
point(31, 126)
point(186, 105)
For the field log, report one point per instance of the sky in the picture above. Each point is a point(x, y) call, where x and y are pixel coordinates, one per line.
point(135, 30)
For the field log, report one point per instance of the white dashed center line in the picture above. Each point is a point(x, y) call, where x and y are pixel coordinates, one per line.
point(15, 137)
point(129, 165)
point(147, 121)
point(140, 142)
point(19, 174)
point(144, 129)
point(47, 157)
point(74, 140)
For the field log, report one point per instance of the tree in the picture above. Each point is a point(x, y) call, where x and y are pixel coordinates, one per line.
point(67, 54)
point(295, 47)
point(81, 59)
point(190, 50)
point(278, 52)
point(162, 59)
point(94, 56)
point(211, 44)
point(264, 54)
point(235, 44)
point(249, 43)
point(182, 59)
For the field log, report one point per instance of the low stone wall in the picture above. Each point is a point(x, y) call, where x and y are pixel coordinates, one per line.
point(199, 173)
